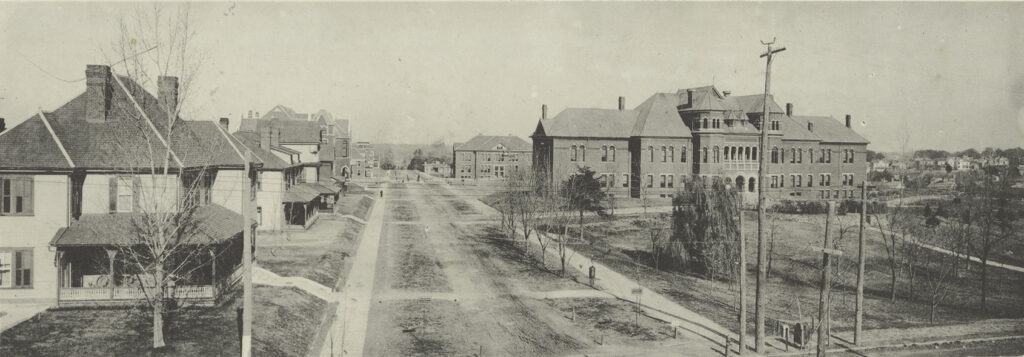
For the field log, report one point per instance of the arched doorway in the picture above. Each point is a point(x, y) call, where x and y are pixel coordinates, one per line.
point(739, 183)
point(344, 171)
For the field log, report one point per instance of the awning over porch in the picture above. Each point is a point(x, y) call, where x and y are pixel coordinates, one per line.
point(214, 224)
point(300, 193)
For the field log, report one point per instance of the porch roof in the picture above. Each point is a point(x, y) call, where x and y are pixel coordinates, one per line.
point(214, 224)
point(324, 189)
point(300, 193)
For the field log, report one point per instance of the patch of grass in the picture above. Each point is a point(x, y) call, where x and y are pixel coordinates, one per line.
point(355, 205)
point(612, 316)
point(322, 261)
point(284, 323)
point(402, 210)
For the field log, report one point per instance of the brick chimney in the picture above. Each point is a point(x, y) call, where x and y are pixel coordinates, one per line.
point(224, 123)
point(726, 93)
point(543, 111)
point(789, 109)
point(849, 120)
point(167, 93)
point(689, 97)
point(3, 125)
point(622, 103)
point(810, 127)
point(265, 139)
point(97, 93)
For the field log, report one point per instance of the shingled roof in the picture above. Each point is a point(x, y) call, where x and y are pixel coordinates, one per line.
point(125, 139)
point(658, 116)
point(589, 122)
point(292, 131)
point(215, 224)
point(270, 161)
point(831, 130)
point(487, 143)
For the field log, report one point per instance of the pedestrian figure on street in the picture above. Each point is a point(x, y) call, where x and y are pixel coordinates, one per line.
point(382, 193)
point(593, 275)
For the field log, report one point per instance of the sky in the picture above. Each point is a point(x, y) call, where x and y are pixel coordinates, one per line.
point(913, 75)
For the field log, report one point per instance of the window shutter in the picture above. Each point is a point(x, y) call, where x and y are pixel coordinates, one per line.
point(136, 184)
point(29, 195)
point(113, 193)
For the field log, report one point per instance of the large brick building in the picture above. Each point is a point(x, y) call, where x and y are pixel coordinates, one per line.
point(487, 157)
point(654, 147)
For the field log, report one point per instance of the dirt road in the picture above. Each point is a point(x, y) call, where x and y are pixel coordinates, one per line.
point(445, 286)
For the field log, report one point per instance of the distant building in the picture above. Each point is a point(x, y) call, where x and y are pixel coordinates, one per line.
point(653, 148)
point(365, 161)
point(335, 143)
point(437, 168)
point(487, 157)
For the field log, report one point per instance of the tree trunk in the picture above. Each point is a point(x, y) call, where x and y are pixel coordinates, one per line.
point(581, 225)
point(984, 279)
point(158, 309)
point(892, 284)
point(561, 253)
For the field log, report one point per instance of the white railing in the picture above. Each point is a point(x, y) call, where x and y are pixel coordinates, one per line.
point(135, 293)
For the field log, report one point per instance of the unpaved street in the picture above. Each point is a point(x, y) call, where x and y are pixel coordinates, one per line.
point(446, 286)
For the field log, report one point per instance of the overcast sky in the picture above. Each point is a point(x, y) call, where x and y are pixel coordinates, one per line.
point(952, 75)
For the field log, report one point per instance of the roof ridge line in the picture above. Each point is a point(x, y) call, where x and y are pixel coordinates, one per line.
point(56, 139)
point(224, 133)
point(148, 121)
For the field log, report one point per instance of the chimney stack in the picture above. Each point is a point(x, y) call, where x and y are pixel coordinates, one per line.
point(726, 93)
point(3, 125)
point(810, 127)
point(849, 120)
point(265, 139)
point(167, 94)
point(224, 123)
point(622, 103)
point(97, 93)
point(789, 109)
point(689, 97)
point(543, 111)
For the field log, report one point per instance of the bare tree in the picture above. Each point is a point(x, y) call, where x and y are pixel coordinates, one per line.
point(528, 205)
point(938, 277)
point(508, 202)
point(169, 243)
point(988, 207)
point(895, 229)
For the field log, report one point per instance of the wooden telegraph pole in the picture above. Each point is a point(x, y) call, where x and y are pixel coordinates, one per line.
point(247, 298)
point(743, 277)
point(762, 172)
point(826, 277)
point(859, 320)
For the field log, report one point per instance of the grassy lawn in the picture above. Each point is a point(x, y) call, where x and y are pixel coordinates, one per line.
point(285, 321)
point(794, 279)
point(320, 254)
point(402, 210)
point(356, 205)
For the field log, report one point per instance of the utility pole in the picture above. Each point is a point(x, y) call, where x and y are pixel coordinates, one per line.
point(247, 298)
point(762, 171)
point(826, 277)
point(743, 276)
point(859, 321)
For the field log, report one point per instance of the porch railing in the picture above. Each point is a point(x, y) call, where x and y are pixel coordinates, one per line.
point(124, 293)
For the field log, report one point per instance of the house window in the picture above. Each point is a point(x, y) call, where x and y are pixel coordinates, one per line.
point(821, 158)
point(603, 179)
point(650, 180)
point(651, 150)
point(704, 154)
point(828, 159)
point(705, 126)
point(810, 180)
point(583, 153)
point(682, 154)
point(753, 153)
point(799, 180)
point(782, 180)
point(612, 149)
point(16, 268)
point(775, 181)
point(575, 154)
point(852, 155)
point(124, 193)
point(611, 180)
point(662, 181)
point(792, 156)
point(671, 178)
point(717, 155)
point(775, 155)
point(810, 155)
point(671, 154)
point(604, 150)
point(664, 154)
point(16, 195)
point(625, 180)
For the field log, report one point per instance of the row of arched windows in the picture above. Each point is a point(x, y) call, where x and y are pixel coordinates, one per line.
point(667, 153)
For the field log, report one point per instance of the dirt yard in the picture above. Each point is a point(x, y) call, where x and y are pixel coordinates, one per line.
point(320, 254)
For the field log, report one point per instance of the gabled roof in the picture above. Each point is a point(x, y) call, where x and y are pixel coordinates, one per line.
point(705, 98)
point(281, 112)
point(127, 139)
point(215, 224)
point(795, 128)
point(487, 143)
point(658, 116)
point(754, 103)
point(832, 131)
point(590, 122)
point(30, 145)
point(292, 131)
point(252, 142)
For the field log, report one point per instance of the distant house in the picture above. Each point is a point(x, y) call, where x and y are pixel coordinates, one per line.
point(76, 180)
point(335, 145)
point(487, 157)
point(437, 168)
